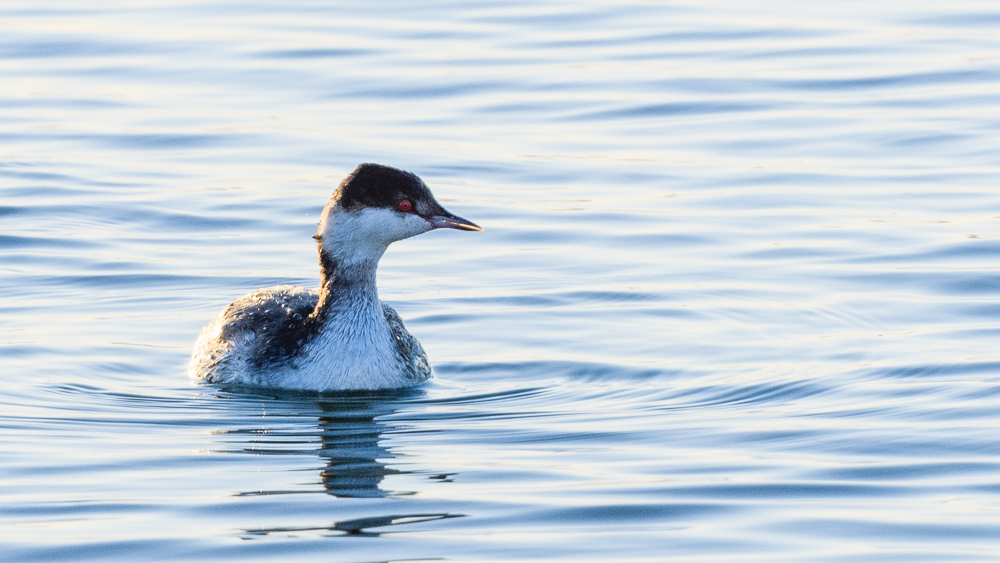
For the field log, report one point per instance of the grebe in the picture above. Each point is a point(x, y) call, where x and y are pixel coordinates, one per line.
point(341, 336)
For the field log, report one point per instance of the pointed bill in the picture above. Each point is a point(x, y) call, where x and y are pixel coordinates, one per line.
point(452, 222)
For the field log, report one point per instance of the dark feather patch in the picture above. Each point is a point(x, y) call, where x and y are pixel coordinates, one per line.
point(375, 185)
point(297, 328)
point(278, 318)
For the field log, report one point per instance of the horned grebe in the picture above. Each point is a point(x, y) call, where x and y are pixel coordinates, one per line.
point(342, 336)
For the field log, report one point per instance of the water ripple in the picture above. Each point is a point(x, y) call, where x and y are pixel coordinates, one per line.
point(736, 298)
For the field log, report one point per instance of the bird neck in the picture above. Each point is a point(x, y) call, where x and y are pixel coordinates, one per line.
point(346, 284)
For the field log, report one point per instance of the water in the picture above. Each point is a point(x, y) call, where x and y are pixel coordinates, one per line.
point(738, 297)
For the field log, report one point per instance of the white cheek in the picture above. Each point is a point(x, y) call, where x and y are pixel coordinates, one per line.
point(411, 225)
point(385, 226)
point(369, 231)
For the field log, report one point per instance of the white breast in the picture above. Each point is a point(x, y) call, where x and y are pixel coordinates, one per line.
point(355, 349)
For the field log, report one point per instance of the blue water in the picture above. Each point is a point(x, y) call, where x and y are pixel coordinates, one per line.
point(738, 297)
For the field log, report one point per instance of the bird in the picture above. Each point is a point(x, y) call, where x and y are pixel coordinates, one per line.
point(339, 337)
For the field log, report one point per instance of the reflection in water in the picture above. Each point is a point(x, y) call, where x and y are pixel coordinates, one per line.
point(359, 526)
point(350, 429)
point(350, 433)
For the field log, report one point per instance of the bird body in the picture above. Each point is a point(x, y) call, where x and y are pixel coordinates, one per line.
point(340, 337)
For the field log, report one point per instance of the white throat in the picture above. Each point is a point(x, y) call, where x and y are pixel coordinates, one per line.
point(362, 236)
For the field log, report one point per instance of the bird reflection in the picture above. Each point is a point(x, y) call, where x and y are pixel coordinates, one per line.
point(351, 429)
point(349, 433)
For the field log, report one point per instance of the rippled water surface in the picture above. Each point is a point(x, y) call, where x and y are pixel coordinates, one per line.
point(738, 297)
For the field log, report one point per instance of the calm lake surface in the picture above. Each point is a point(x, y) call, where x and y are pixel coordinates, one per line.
point(738, 297)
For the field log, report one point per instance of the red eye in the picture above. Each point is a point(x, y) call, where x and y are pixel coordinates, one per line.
point(405, 206)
